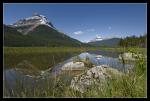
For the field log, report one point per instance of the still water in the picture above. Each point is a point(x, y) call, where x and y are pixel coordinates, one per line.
point(26, 73)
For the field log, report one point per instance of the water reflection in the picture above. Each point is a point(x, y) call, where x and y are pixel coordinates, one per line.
point(28, 74)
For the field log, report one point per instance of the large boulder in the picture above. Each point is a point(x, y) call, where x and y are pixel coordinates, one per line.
point(96, 75)
point(74, 66)
point(126, 56)
point(130, 56)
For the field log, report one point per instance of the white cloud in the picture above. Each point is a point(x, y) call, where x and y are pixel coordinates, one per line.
point(78, 32)
point(81, 32)
point(109, 27)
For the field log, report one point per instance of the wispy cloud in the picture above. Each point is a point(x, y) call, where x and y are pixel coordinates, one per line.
point(84, 31)
point(78, 32)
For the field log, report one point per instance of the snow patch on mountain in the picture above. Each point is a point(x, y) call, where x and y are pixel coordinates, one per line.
point(35, 19)
point(28, 24)
point(98, 38)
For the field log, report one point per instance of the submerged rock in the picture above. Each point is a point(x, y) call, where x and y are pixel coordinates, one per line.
point(28, 69)
point(74, 66)
point(96, 75)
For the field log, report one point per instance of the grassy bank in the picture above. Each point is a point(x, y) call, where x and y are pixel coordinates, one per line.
point(65, 49)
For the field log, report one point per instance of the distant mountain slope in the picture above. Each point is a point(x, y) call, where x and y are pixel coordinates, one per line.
point(36, 31)
point(113, 42)
point(40, 36)
point(52, 37)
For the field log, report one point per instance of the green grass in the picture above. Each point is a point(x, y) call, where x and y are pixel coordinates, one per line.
point(22, 50)
point(130, 85)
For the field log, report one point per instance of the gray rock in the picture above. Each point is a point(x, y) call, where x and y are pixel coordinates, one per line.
point(74, 66)
point(130, 56)
point(126, 56)
point(96, 75)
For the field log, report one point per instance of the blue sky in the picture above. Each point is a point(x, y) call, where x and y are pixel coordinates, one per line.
point(85, 21)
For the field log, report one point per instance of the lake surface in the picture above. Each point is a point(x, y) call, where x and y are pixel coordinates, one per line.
point(30, 76)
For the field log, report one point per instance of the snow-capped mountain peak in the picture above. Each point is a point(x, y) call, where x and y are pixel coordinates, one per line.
point(98, 38)
point(34, 20)
point(28, 24)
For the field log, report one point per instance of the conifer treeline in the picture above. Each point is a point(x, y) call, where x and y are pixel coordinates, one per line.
point(134, 41)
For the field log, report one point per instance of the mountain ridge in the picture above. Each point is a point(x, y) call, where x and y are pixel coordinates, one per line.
point(111, 42)
point(40, 36)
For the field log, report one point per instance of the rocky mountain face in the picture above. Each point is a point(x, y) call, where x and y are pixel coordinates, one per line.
point(35, 19)
point(28, 24)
